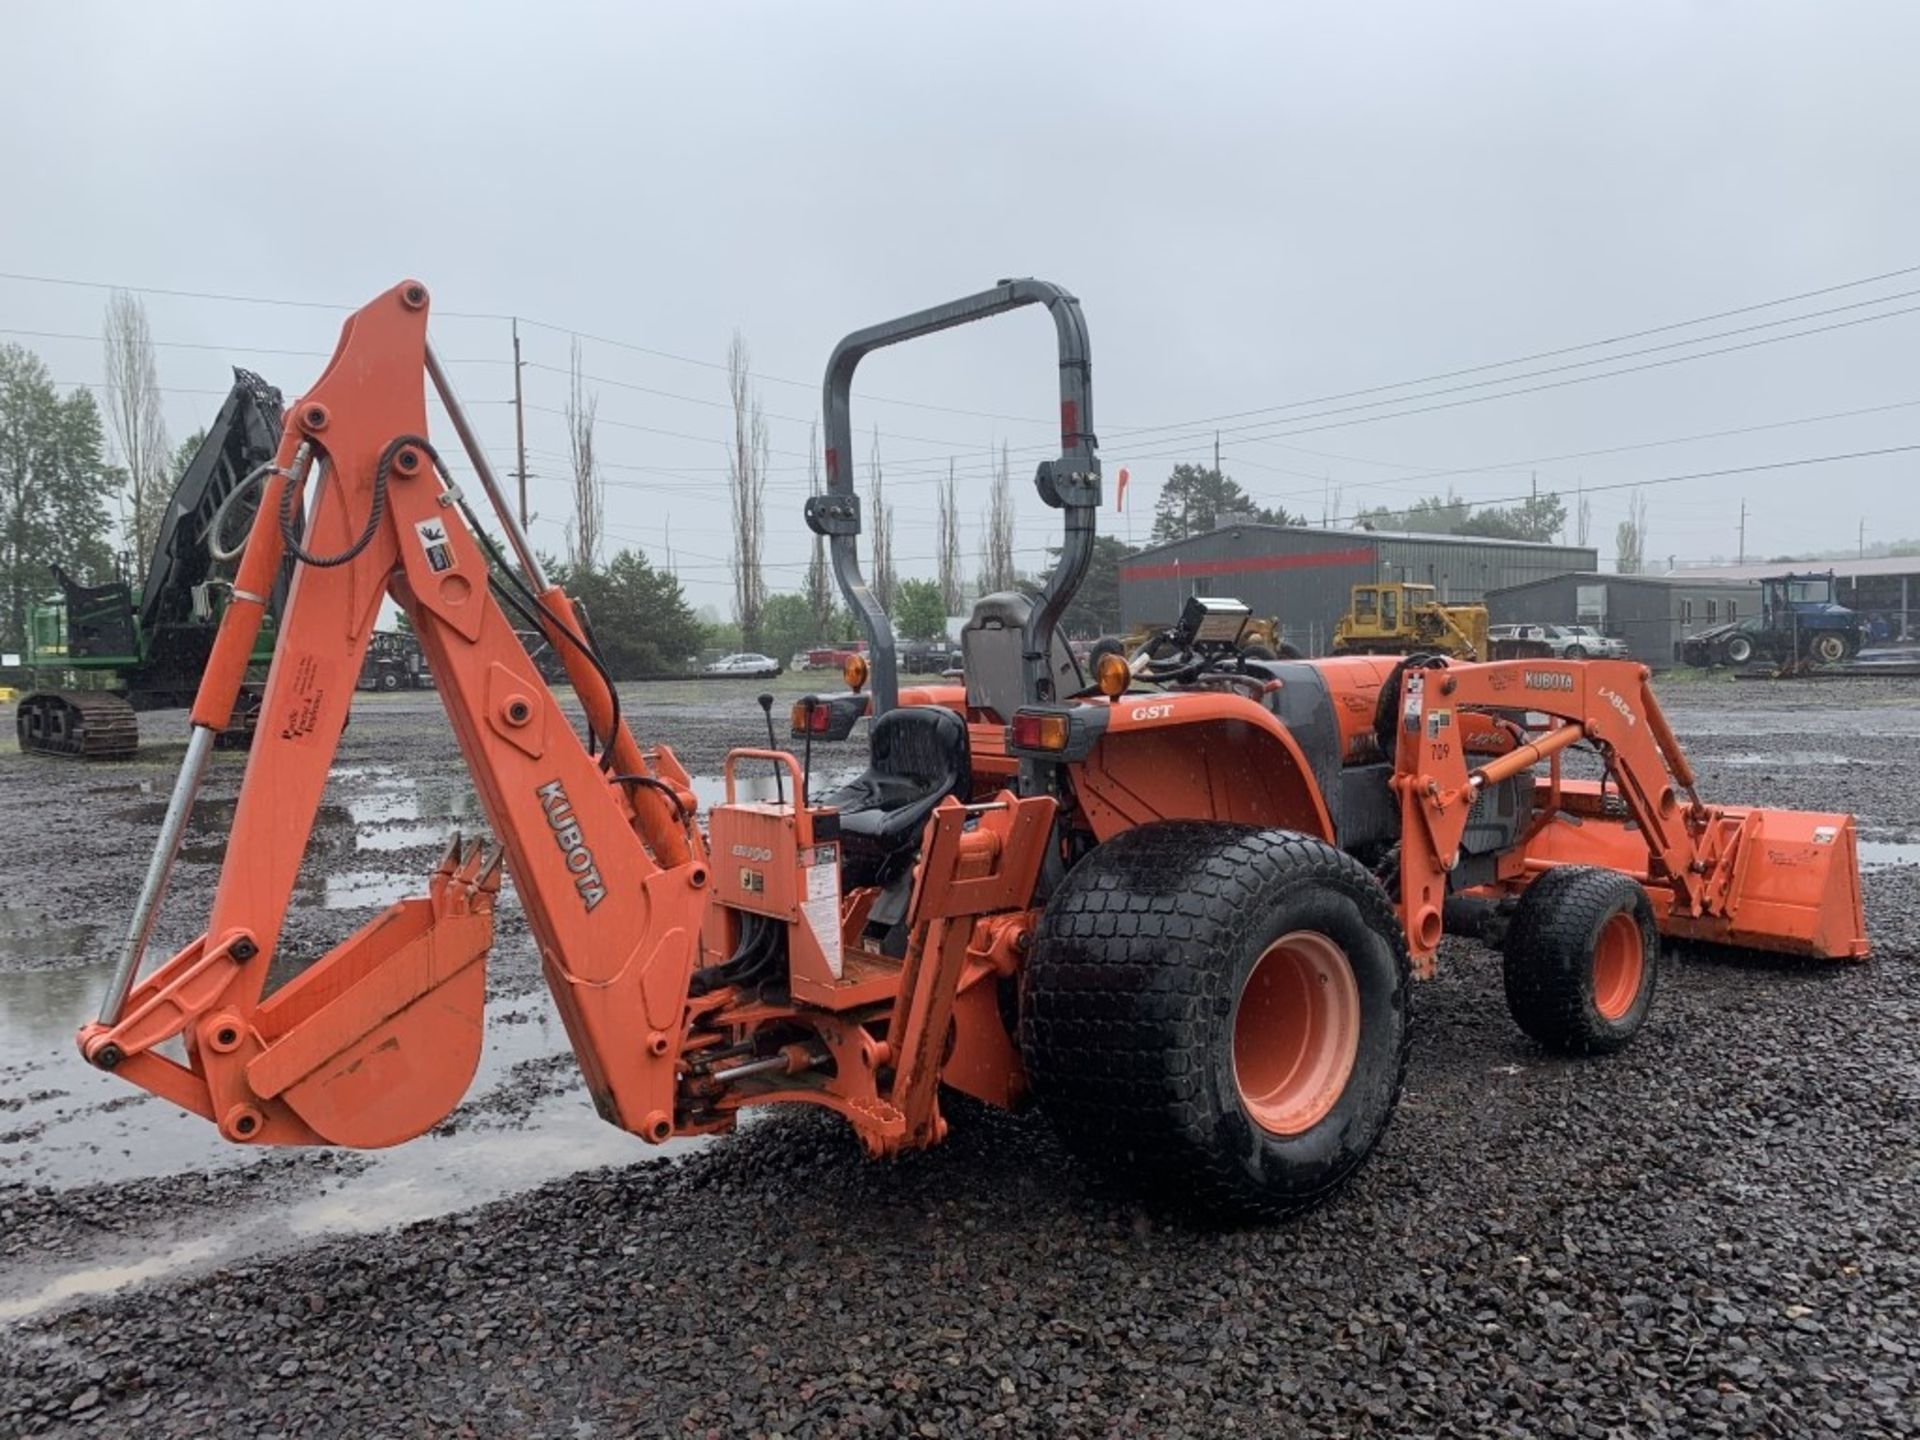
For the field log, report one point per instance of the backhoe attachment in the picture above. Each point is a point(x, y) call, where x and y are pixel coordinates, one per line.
point(376, 1040)
point(686, 996)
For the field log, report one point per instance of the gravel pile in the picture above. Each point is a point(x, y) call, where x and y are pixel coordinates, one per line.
point(1712, 1233)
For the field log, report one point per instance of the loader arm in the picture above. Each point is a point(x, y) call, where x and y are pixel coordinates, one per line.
point(1782, 880)
point(376, 1040)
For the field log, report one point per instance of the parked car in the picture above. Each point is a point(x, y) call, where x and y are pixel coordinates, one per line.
point(1565, 642)
point(745, 667)
point(1601, 647)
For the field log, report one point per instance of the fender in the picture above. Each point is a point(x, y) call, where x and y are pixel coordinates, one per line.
point(1198, 756)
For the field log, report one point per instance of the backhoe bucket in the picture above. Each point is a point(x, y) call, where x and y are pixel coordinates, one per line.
point(377, 1042)
point(372, 1044)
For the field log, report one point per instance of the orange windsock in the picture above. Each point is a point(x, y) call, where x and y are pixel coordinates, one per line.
point(1120, 490)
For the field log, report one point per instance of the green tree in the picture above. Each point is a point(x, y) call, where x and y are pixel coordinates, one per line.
point(787, 625)
point(1540, 517)
point(55, 486)
point(1196, 499)
point(183, 454)
point(1096, 604)
point(1435, 515)
point(640, 616)
point(918, 611)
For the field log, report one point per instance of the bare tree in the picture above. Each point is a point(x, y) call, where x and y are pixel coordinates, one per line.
point(747, 489)
point(819, 576)
point(883, 579)
point(585, 529)
point(950, 545)
point(1630, 539)
point(996, 561)
point(133, 413)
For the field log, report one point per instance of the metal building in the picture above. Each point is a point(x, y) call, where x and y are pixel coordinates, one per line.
point(1652, 613)
point(1303, 576)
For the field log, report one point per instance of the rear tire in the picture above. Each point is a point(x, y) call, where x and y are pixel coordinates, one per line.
point(1216, 1016)
point(1582, 957)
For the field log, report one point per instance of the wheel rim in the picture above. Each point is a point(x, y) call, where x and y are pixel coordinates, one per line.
point(1739, 650)
point(1829, 648)
point(1296, 1033)
point(1619, 960)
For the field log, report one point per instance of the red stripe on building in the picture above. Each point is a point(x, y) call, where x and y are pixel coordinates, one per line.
point(1360, 555)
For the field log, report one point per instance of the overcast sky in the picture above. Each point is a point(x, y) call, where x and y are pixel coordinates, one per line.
point(1258, 204)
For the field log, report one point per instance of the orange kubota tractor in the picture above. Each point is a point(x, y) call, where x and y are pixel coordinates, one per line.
point(1140, 898)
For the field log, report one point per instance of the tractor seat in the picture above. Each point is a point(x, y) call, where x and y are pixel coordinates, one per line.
point(917, 757)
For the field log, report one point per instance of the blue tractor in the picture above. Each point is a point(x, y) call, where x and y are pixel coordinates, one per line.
point(1799, 624)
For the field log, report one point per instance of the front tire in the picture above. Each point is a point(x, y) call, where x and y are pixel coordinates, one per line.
point(1828, 648)
point(1739, 650)
point(1582, 958)
point(1576, 652)
point(1216, 1016)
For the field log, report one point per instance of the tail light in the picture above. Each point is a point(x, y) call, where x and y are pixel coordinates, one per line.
point(1037, 730)
point(816, 717)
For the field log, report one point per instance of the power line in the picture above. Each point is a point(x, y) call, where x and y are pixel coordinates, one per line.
point(1621, 338)
point(1593, 345)
point(1675, 479)
point(1606, 450)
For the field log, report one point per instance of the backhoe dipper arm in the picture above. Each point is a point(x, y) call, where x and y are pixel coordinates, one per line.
point(375, 1041)
point(1071, 483)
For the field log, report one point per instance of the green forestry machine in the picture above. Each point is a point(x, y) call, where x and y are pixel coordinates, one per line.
point(104, 652)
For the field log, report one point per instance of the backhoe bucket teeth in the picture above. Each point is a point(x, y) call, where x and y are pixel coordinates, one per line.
point(377, 1042)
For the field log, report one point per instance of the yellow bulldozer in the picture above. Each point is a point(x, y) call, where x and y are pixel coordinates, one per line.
point(1393, 618)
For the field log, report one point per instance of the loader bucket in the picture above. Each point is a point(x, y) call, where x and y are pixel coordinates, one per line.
point(1786, 881)
point(1794, 885)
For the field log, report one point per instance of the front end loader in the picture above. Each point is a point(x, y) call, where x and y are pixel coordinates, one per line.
point(1178, 901)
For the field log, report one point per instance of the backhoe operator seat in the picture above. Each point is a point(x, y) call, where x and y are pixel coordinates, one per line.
point(990, 647)
point(918, 756)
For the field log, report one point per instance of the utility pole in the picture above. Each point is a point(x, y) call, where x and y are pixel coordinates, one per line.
point(519, 425)
point(1863, 537)
point(1216, 452)
point(1743, 532)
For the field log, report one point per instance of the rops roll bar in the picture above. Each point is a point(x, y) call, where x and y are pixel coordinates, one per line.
point(1071, 483)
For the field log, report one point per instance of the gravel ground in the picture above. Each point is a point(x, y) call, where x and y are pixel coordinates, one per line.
point(1710, 1233)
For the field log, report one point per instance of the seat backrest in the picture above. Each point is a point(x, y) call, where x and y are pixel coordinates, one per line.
point(924, 744)
point(990, 648)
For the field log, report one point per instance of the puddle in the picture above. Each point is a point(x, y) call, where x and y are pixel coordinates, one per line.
point(1887, 854)
point(205, 841)
point(37, 938)
point(65, 1124)
point(1790, 760)
point(361, 889)
point(104, 1279)
point(406, 836)
point(754, 781)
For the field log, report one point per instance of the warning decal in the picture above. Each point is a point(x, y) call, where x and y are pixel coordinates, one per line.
point(432, 535)
point(822, 905)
